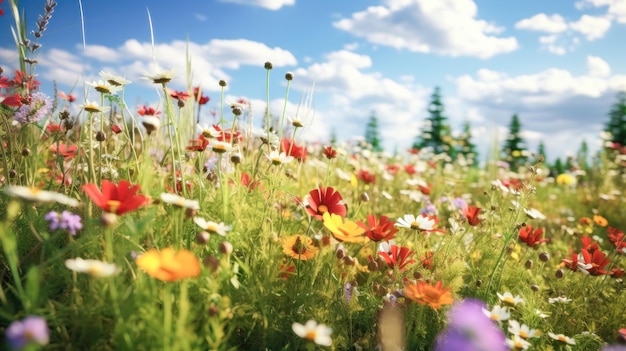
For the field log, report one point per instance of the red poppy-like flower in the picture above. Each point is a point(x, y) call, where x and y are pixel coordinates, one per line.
point(64, 150)
point(25, 81)
point(116, 129)
point(289, 147)
point(532, 236)
point(53, 128)
point(589, 244)
point(572, 263)
point(69, 98)
point(330, 153)
point(246, 180)
point(178, 95)
point(14, 100)
point(147, 111)
point(427, 261)
point(378, 230)
point(410, 169)
point(199, 144)
point(392, 169)
point(471, 214)
point(616, 272)
point(398, 257)
point(116, 198)
point(597, 259)
point(322, 200)
point(201, 99)
point(424, 189)
point(366, 176)
point(616, 237)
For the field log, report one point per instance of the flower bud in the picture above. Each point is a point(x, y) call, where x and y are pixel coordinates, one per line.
point(529, 264)
point(559, 273)
point(268, 65)
point(212, 263)
point(222, 83)
point(108, 219)
point(25, 151)
point(203, 237)
point(289, 76)
point(100, 136)
point(544, 257)
point(226, 248)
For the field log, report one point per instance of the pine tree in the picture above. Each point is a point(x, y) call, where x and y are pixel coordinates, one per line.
point(582, 156)
point(617, 120)
point(541, 151)
point(465, 146)
point(514, 150)
point(371, 133)
point(436, 133)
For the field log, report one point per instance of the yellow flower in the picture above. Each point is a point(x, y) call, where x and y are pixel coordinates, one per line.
point(348, 231)
point(169, 265)
point(565, 179)
point(300, 247)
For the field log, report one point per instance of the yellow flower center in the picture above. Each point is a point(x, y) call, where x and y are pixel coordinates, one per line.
point(509, 301)
point(35, 191)
point(113, 205)
point(103, 89)
point(92, 108)
point(94, 271)
point(219, 148)
point(310, 335)
point(415, 225)
point(523, 334)
point(562, 338)
point(494, 317)
point(322, 208)
point(212, 228)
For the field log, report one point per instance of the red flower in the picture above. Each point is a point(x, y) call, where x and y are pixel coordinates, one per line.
point(383, 229)
point(147, 111)
point(64, 150)
point(424, 189)
point(410, 169)
point(53, 128)
point(471, 214)
point(532, 236)
point(178, 95)
point(201, 99)
point(571, 263)
point(199, 144)
point(68, 98)
point(616, 272)
point(330, 153)
point(322, 200)
point(392, 169)
point(246, 180)
point(427, 261)
point(289, 147)
point(117, 199)
point(25, 81)
point(589, 244)
point(367, 177)
point(116, 128)
point(597, 259)
point(14, 100)
point(398, 257)
point(616, 236)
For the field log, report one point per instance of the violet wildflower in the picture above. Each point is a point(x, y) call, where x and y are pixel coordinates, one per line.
point(350, 289)
point(32, 329)
point(470, 330)
point(39, 106)
point(429, 209)
point(66, 221)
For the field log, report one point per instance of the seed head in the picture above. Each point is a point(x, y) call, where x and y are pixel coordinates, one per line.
point(289, 76)
point(223, 83)
point(268, 65)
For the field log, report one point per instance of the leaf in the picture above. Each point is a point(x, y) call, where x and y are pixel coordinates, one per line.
point(32, 286)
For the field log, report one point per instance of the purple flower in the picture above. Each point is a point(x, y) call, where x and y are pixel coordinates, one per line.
point(39, 106)
point(66, 221)
point(30, 329)
point(470, 330)
point(614, 348)
point(459, 203)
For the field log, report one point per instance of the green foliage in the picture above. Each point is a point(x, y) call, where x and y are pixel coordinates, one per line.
point(616, 125)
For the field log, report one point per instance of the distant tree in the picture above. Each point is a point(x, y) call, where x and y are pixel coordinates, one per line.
point(514, 150)
point(436, 133)
point(582, 156)
point(558, 166)
point(333, 137)
point(541, 151)
point(464, 145)
point(617, 120)
point(371, 133)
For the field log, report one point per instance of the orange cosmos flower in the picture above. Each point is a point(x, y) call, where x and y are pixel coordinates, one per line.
point(300, 247)
point(432, 295)
point(347, 231)
point(169, 265)
point(600, 221)
point(116, 198)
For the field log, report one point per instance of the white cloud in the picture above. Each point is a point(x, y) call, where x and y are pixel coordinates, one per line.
point(63, 67)
point(561, 106)
point(200, 17)
point(102, 53)
point(543, 23)
point(350, 93)
point(267, 4)
point(592, 27)
point(597, 67)
point(616, 9)
point(445, 27)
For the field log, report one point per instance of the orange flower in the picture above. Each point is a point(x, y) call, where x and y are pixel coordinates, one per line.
point(600, 221)
point(169, 265)
point(300, 247)
point(347, 231)
point(432, 295)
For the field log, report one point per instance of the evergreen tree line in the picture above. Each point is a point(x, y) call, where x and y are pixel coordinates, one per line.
point(437, 135)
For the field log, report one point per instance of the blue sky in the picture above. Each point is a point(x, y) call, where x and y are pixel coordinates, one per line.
point(557, 64)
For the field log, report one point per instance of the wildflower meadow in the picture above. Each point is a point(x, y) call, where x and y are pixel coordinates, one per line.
point(126, 228)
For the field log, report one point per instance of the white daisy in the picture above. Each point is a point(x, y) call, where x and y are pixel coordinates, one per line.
point(114, 80)
point(560, 299)
point(420, 222)
point(523, 330)
point(279, 158)
point(212, 227)
point(318, 333)
point(508, 299)
point(94, 268)
point(40, 196)
point(92, 106)
point(160, 77)
point(180, 201)
point(103, 87)
point(497, 313)
point(517, 343)
point(562, 338)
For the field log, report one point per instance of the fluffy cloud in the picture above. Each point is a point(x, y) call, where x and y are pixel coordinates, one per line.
point(543, 23)
point(616, 9)
point(445, 27)
point(349, 93)
point(592, 27)
point(553, 103)
point(267, 4)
